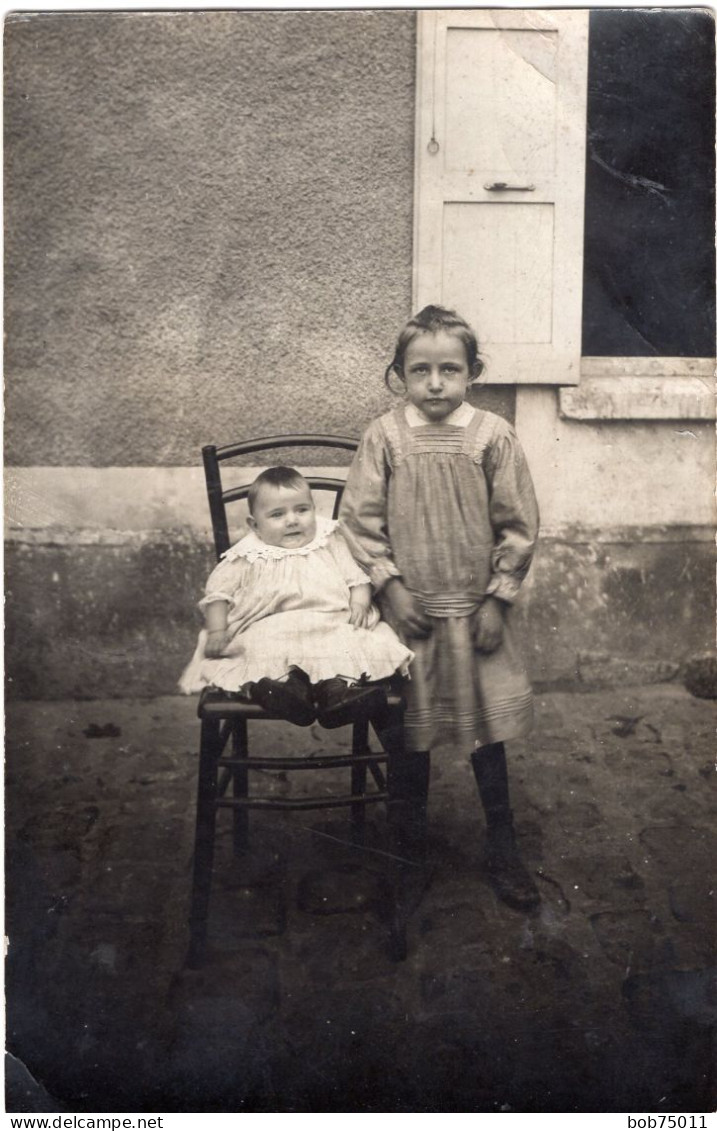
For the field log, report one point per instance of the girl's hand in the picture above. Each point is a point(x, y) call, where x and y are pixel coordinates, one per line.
point(359, 606)
point(216, 642)
point(488, 626)
point(408, 615)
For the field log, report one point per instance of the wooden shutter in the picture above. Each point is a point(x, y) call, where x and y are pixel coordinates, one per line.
point(501, 102)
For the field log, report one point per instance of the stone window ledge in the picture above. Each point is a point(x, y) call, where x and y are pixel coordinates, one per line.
point(641, 388)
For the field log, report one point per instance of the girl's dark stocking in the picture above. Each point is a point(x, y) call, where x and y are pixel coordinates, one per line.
point(408, 779)
point(506, 871)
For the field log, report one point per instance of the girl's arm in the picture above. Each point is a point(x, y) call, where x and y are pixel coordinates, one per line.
point(364, 507)
point(513, 515)
point(363, 516)
point(515, 521)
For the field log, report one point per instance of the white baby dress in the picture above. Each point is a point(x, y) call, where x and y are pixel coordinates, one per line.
point(289, 608)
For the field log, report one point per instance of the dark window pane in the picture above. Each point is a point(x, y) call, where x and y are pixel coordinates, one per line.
point(649, 200)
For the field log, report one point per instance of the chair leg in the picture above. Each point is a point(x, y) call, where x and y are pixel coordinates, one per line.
point(359, 746)
point(389, 730)
point(209, 753)
point(240, 787)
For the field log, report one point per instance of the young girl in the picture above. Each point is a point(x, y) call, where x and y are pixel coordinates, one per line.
point(440, 505)
point(288, 615)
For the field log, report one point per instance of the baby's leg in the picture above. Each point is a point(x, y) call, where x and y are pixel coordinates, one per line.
point(288, 698)
point(339, 703)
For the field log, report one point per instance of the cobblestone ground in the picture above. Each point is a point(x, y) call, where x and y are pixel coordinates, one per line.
point(602, 1000)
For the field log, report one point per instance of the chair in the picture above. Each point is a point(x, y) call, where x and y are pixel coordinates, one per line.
point(224, 724)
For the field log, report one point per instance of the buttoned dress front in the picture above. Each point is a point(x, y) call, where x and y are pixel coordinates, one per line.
point(450, 508)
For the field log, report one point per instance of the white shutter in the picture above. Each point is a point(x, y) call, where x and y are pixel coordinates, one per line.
point(501, 102)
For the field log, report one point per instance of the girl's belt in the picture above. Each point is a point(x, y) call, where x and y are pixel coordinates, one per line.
point(448, 604)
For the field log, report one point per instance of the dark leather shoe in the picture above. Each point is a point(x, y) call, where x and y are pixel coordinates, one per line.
point(288, 699)
point(337, 704)
point(507, 873)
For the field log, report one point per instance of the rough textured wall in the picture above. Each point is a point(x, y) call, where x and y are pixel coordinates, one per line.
point(208, 220)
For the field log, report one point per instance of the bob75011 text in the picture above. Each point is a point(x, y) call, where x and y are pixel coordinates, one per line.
point(671, 1122)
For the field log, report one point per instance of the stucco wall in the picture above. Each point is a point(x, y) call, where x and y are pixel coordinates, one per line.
point(208, 220)
point(616, 473)
point(208, 234)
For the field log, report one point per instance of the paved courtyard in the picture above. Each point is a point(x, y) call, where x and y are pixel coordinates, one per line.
point(602, 1000)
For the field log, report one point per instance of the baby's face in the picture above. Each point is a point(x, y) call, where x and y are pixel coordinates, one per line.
point(284, 516)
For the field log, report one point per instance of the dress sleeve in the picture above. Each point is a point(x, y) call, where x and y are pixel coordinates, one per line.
point(513, 514)
point(223, 582)
point(364, 507)
point(348, 567)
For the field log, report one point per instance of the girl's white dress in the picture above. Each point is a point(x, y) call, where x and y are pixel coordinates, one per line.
point(289, 608)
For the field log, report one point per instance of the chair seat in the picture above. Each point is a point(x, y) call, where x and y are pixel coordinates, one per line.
point(217, 704)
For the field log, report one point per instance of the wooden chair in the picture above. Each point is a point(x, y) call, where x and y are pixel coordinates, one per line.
point(225, 762)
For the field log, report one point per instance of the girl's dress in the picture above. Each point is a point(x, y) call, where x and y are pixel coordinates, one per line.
point(450, 508)
point(289, 608)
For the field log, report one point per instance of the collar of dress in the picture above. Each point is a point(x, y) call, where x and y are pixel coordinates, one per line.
point(459, 418)
point(253, 549)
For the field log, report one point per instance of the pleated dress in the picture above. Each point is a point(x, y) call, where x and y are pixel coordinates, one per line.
point(289, 608)
point(450, 508)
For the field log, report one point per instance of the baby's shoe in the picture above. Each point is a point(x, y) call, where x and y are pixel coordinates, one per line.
point(288, 699)
point(338, 704)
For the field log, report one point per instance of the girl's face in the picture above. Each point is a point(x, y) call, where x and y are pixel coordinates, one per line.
point(436, 374)
point(284, 516)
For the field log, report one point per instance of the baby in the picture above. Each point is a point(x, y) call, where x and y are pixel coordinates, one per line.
point(289, 621)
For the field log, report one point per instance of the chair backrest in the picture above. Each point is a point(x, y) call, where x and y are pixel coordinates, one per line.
point(219, 497)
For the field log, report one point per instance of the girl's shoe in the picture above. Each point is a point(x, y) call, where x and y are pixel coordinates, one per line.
point(288, 699)
point(337, 704)
point(508, 876)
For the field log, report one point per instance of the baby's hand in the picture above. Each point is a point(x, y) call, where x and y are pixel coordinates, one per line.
point(488, 626)
point(216, 642)
point(359, 606)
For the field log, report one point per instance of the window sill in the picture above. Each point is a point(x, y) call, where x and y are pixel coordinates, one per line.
point(641, 388)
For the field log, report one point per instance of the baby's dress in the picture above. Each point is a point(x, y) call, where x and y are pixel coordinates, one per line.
point(289, 608)
point(450, 508)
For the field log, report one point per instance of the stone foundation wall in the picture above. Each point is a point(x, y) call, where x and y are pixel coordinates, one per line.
point(112, 615)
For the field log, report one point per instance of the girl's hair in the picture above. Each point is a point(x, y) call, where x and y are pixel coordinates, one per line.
point(434, 320)
point(273, 477)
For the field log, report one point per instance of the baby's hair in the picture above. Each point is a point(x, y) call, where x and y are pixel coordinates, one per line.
point(434, 320)
point(273, 477)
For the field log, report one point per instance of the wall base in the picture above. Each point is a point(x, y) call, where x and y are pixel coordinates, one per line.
point(116, 616)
